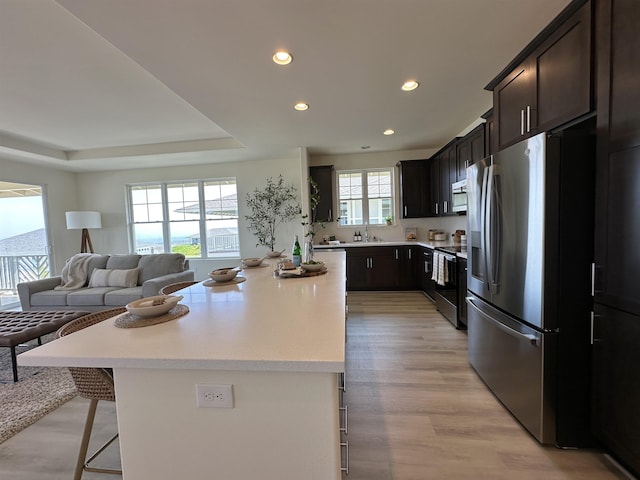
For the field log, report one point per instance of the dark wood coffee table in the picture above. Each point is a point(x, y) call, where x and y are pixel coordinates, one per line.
point(20, 327)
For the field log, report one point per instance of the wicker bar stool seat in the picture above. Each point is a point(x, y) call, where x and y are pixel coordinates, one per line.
point(95, 384)
point(174, 287)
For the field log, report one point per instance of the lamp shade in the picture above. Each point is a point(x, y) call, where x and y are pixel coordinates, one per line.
point(80, 220)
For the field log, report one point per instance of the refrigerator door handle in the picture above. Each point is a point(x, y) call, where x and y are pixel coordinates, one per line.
point(483, 225)
point(514, 333)
point(492, 230)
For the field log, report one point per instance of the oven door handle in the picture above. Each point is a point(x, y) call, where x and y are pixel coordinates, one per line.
point(532, 339)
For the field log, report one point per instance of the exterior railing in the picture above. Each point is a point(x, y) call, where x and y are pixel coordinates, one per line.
point(15, 269)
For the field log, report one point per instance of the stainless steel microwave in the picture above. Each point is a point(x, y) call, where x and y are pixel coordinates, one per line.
point(459, 196)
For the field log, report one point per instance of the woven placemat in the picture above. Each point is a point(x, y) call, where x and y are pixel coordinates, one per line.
point(213, 283)
point(128, 320)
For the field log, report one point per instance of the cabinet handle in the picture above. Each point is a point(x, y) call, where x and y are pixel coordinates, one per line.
point(426, 267)
point(593, 279)
point(345, 428)
point(409, 254)
point(437, 208)
point(593, 326)
point(405, 210)
point(396, 254)
point(345, 468)
point(371, 260)
point(528, 118)
point(445, 208)
point(521, 122)
point(330, 215)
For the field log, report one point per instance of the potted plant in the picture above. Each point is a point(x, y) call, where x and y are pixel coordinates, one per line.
point(309, 222)
point(389, 219)
point(275, 204)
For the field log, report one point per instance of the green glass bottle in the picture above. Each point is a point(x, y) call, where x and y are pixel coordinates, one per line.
point(296, 252)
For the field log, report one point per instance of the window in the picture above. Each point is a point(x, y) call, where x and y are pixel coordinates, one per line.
point(198, 218)
point(365, 196)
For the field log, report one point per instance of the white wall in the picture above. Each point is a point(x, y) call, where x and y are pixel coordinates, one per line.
point(106, 193)
point(396, 231)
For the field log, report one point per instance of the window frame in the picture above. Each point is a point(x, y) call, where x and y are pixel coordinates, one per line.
point(364, 172)
point(166, 220)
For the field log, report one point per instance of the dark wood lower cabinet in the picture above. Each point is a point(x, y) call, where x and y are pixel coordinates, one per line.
point(371, 268)
point(616, 386)
point(383, 268)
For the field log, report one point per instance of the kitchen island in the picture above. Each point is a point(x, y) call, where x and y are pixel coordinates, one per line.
point(279, 342)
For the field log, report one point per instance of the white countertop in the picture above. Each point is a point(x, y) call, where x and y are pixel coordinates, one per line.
point(399, 243)
point(265, 323)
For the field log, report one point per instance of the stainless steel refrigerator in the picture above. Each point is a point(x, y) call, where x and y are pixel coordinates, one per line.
point(530, 224)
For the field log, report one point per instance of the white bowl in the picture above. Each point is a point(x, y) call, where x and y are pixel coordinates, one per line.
point(224, 274)
point(274, 254)
point(145, 307)
point(312, 267)
point(252, 262)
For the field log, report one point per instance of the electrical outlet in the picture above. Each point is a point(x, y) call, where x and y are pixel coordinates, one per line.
point(217, 396)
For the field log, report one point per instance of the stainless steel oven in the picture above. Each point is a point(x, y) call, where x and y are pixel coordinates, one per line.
point(446, 276)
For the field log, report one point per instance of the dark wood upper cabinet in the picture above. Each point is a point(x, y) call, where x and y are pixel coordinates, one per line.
point(434, 186)
point(323, 176)
point(551, 84)
point(489, 134)
point(414, 188)
point(563, 73)
point(470, 149)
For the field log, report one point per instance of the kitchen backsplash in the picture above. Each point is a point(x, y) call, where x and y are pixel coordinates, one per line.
point(396, 231)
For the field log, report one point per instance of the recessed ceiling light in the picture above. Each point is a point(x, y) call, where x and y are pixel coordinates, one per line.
point(388, 131)
point(410, 85)
point(301, 106)
point(282, 57)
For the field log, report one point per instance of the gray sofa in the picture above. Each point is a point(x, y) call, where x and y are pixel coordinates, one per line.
point(154, 272)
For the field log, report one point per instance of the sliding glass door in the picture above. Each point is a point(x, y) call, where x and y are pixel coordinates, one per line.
point(24, 252)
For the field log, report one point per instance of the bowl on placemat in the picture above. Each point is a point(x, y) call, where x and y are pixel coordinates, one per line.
point(224, 274)
point(274, 253)
point(153, 306)
point(312, 267)
point(252, 262)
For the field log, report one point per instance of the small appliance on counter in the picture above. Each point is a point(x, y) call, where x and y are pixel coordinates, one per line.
point(457, 236)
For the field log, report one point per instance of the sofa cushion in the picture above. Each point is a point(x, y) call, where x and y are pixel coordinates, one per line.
point(96, 261)
point(123, 262)
point(104, 277)
point(122, 296)
point(159, 264)
point(88, 296)
point(54, 298)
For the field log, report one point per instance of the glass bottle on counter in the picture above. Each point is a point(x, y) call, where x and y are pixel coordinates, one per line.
point(296, 252)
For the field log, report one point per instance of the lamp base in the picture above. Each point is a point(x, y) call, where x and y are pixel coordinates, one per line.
point(86, 246)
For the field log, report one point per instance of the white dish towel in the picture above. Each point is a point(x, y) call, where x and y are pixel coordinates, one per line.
point(440, 270)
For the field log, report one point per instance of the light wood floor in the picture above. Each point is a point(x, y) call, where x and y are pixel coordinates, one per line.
point(417, 411)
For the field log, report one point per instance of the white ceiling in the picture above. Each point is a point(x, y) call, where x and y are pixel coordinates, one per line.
point(90, 85)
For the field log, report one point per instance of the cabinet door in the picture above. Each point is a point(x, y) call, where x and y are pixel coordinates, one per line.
point(448, 171)
point(511, 98)
point(323, 176)
point(357, 270)
point(434, 187)
point(470, 150)
point(563, 73)
point(617, 230)
point(616, 390)
point(408, 259)
point(413, 188)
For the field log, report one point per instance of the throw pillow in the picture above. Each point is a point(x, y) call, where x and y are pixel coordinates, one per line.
point(103, 277)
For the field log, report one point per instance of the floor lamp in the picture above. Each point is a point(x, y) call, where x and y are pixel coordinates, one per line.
point(84, 221)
